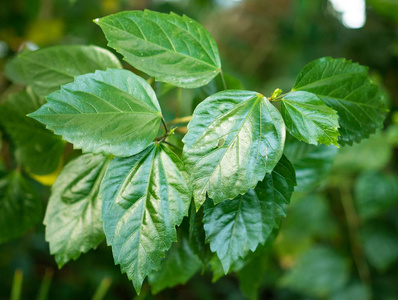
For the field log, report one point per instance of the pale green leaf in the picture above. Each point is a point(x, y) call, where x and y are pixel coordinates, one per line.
point(113, 112)
point(345, 87)
point(178, 267)
point(319, 272)
point(144, 197)
point(308, 119)
point(236, 226)
point(36, 148)
point(311, 163)
point(73, 216)
point(253, 135)
point(20, 206)
point(173, 49)
point(14, 71)
point(47, 69)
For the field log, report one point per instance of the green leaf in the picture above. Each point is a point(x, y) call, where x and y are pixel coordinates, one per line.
point(36, 148)
point(47, 69)
point(113, 112)
point(253, 133)
point(318, 272)
point(173, 49)
point(145, 196)
point(312, 163)
point(380, 243)
point(14, 71)
point(375, 193)
point(308, 119)
point(353, 291)
point(345, 87)
point(20, 206)
point(236, 226)
point(178, 267)
point(73, 216)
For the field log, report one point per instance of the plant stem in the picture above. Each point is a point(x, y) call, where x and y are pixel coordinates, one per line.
point(223, 80)
point(165, 126)
point(16, 289)
point(180, 120)
point(102, 289)
point(178, 102)
point(353, 230)
point(45, 285)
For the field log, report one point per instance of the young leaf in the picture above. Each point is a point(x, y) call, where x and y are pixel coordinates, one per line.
point(145, 196)
point(47, 69)
point(345, 87)
point(178, 267)
point(20, 206)
point(311, 163)
point(113, 112)
point(253, 135)
point(234, 227)
point(308, 119)
point(173, 49)
point(73, 216)
point(36, 148)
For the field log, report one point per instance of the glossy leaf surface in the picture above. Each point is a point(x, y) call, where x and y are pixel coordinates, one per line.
point(308, 119)
point(173, 49)
point(233, 140)
point(178, 267)
point(345, 87)
point(47, 69)
point(20, 206)
point(113, 112)
point(36, 148)
point(145, 196)
point(236, 226)
point(73, 216)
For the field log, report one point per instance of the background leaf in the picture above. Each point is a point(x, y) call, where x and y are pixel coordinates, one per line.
point(113, 112)
point(73, 216)
point(173, 49)
point(178, 267)
point(345, 87)
point(308, 119)
point(311, 163)
point(319, 272)
point(20, 206)
point(47, 69)
point(145, 196)
point(253, 135)
point(36, 148)
point(236, 226)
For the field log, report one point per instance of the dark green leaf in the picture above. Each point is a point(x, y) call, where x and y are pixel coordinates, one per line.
point(36, 148)
point(73, 216)
point(353, 291)
point(113, 112)
point(318, 272)
point(171, 48)
point(380, 243)
point(236, 226)
point(308, 119)
point(375, 193)
point(145, 196)
point(312, 163)
point(20, 206)
point(47, 69)
point(345, 87)
point(178, 267)
point(253, 133)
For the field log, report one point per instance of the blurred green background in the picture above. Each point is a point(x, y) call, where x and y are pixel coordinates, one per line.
point(340, 237)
